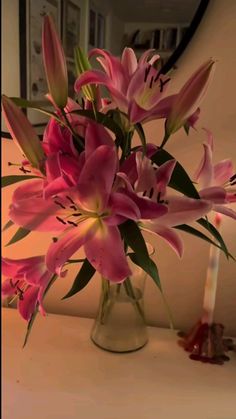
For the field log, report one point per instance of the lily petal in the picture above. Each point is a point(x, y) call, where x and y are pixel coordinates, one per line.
point(183, 210)
point(148, 209)
point(215, 194)
point(57, 138)
point(22, 132)
point(103, 162)
point(223, 171)
point(146, 174)
point(225, 210)
point(168, 234)
point(54, 63)
point(27, 305)
point(204, 173)
point(27, 190)
point(190, 97)
point(71, 241)
point(98, 77)
point(105, 251)
point(163, 176)
point(145, 89)
point(7, 290)
point(16, 267)
point(129, 61)
point(121, 204)
point(36, 214)
point(96, 135)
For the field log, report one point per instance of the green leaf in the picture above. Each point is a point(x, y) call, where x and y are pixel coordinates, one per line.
point(165, 139)
point(30, 324)
point(133, 237)
point(33, 104)
point(180, 181)
point(82, 64)
point(9, 180)
point(82, 279)
point(150, 268)
point(142, 137)
point(24, 103)
point(19, 235)
point(215, 233)
point(191, 230)
point(7, 225)
point(152, 271)
point(196, 233)
point(33, 317)
point(75, 261)
point(186, 128)
point(104, 120)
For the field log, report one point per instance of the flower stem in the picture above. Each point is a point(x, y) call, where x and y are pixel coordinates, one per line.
point(130, 292)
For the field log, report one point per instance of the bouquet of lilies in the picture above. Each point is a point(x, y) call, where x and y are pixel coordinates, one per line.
point(87, 184)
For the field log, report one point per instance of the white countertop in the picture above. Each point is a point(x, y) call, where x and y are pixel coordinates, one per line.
point(61, 374)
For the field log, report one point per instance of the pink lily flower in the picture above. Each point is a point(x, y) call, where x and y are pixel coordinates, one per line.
point(87, 215)
point(23, 133)
point(135, 87)
point(217, 182)
point(27, 279)
point(63, 163)
point(151, 182)
point(54, 63)
point(187, 101)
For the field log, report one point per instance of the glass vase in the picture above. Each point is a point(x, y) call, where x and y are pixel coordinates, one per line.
point(120, 324)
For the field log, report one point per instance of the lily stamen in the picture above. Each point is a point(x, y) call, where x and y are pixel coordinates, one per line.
point(70, 199)
point(72, 223)
point(60, 204)
point(12, 284)
point(151, 193)
point(162, 84)
point(61, 220)
point(22, 169)
point(157, 75)
point(147, 71)
point(73, 207)
point(151, 82)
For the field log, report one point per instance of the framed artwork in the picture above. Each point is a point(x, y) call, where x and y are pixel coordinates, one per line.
point(92, 28)
point(32, 77)
point(71, 28)
point(169, 39)
point(97, 27)
point(100, 31)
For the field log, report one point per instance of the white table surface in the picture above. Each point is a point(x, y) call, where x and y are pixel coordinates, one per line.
point(61, 374)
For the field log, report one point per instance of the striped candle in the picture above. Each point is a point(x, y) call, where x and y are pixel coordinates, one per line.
point(211, 281)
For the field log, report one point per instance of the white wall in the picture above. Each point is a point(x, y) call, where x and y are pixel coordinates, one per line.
point(183, 281)
point(10, 49)
point(115, 33)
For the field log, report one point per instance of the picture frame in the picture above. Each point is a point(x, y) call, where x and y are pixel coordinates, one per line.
point(33, 85)
point(71, 28)
point(97, 28)
point(169, 40)
point(101, 31)
point(92, 27)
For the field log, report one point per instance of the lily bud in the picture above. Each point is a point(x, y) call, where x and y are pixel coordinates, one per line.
point(22, 132)
point(54, 63)
point(82, 64)
point(189, 98)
